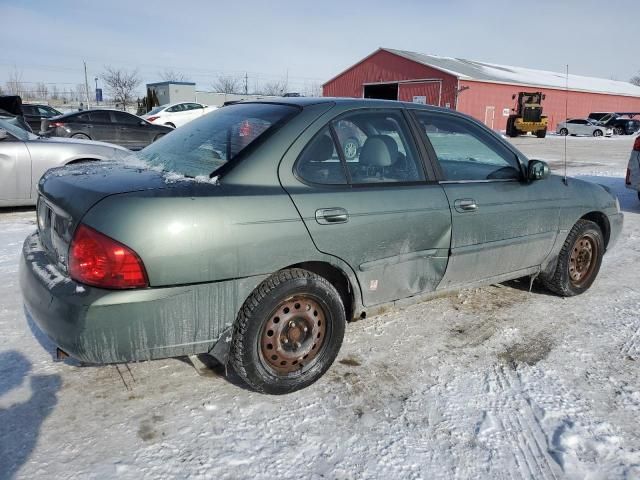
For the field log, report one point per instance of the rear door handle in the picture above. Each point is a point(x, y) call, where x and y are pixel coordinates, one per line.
point(463, 205)
point(329, 216)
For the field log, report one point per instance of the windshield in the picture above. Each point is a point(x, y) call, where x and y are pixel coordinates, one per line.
point(16, 131)
point(155, 110)
point(204, 145)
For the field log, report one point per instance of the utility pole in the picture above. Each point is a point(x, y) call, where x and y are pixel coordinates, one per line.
point(246, 83)
point(86, 84)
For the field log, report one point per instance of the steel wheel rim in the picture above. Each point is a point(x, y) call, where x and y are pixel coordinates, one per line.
point(582, 261)
point(294, 335)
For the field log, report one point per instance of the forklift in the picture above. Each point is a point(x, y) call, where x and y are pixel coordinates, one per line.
point(527, 116)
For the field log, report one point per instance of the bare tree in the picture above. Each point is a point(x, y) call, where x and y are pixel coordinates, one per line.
point(226, 84)
point(635, 80)
point(168, 75)
point(81, 92)
point(41, 91)
point(15, 85)
point(121, 84)
point(55, 93)
point(274, 88)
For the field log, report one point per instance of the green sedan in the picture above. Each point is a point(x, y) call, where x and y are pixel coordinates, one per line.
point(250, 234)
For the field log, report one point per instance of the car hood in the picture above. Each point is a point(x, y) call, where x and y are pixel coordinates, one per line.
point(76, 188)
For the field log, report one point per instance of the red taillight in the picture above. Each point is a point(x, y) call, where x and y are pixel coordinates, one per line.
point(151, 119)
point(56, 124)
point(98, 260)
point(636, 144)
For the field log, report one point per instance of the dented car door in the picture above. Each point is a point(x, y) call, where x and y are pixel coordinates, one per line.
point(375, 208)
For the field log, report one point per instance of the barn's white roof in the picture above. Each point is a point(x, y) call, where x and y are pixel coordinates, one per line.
point(491, 72)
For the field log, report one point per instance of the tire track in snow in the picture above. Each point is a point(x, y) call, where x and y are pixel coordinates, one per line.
point(510, 427)
point(631, 345)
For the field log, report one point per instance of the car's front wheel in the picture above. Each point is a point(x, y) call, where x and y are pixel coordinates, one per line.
point(288, 332)
point(579, 260)
point(564, 132)
point(597, 133)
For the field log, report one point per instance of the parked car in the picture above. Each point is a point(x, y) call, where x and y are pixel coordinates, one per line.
point(24, 157)
point(11, 111)
point(582, 126)
point(620, 124)
point(113, 126)
point(632, 180)
point(250, 237)
point(35, 113)
point(177, 114)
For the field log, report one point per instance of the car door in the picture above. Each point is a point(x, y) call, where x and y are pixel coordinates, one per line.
point(193, 111)
point(501, 224)
point(179, 114)
point(131, 131)
point(376, 211)
point(100, 127)
point(15, 169)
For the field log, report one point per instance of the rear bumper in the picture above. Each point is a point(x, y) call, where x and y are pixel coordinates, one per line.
point(108, 326)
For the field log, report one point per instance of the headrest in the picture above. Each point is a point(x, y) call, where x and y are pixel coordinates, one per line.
point(375, 152)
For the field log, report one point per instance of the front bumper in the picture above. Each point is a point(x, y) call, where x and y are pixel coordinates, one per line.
point(113, 326)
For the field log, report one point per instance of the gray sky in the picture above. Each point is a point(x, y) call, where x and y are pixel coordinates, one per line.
point(311, 42)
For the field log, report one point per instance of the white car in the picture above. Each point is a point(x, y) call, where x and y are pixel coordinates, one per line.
point(177, 114)
point(583, 126)
point(632, 179)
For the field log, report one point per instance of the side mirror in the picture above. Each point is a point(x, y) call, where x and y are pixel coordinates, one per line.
point(3, 134)
point(538, 170)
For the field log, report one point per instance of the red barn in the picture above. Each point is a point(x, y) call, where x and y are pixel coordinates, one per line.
point(483, 90)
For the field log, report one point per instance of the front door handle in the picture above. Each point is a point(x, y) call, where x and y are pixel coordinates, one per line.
point(329, 216)
point(465, 205)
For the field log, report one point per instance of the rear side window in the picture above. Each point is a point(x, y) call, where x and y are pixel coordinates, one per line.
point(101, 117)
point(124, 118)
point(205, 144)
point(465, 151)
point(320, 162)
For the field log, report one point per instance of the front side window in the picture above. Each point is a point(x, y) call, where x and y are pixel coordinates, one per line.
point(100, 116)
point(124, 118)
point(466, 152)
point(205, 144)
point(377, 147)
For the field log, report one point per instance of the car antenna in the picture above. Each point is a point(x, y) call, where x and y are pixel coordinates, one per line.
point(566, 116)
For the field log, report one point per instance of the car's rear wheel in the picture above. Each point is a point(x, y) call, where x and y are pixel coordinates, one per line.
point(288, 332)
point(619, 131)
point(564, 132)
point(597, 133)
point(579, 260)
point(81, 136)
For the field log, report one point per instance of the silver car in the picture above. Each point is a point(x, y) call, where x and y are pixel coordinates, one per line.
point(24, 157)
point(583, 126)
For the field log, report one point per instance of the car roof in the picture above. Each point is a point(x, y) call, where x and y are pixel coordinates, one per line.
point(354, 102)
point(95, 110)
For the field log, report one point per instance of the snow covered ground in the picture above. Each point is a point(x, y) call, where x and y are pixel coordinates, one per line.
point(489, 383)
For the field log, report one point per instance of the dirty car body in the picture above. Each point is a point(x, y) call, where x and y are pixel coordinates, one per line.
point(431, 201)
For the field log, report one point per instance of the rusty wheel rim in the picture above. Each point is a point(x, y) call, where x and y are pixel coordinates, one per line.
point(582, 261)
point(293, 335)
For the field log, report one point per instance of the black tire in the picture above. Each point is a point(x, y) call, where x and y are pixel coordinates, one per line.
point(259, 329)
point(619, 131)
point(81, 136)
point(511, 129)
point(564, 132)
point(541, 133)
point(598, 133)
point(563, 280)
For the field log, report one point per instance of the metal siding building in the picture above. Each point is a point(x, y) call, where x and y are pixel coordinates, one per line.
point(482, 90)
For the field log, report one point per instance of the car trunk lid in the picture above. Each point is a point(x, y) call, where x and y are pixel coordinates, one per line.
point(66, 194)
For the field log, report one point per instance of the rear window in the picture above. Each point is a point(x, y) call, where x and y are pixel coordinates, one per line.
point(204, 145)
